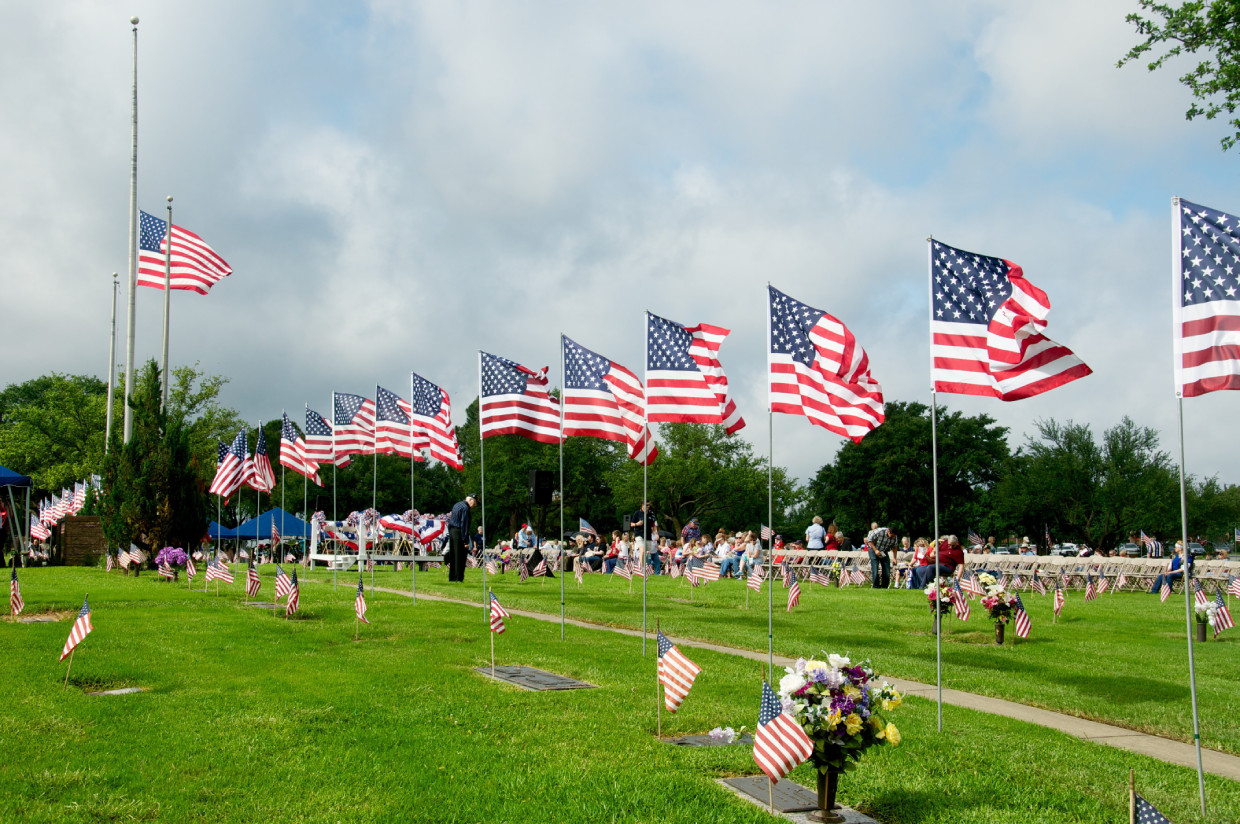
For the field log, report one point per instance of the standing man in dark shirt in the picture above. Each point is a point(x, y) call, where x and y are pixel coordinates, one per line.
point(646, 529)
point(458, 533)
point(880, 543)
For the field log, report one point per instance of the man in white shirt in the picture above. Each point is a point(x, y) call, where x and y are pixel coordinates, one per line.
point(816, 534)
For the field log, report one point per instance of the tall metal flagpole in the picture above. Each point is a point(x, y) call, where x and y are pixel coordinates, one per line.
point(132, 273)
point(563, 566)
point(335, 571)
point(258, 501)
point(107, 429)
point(645, 469)
point(413, 525)
point(167, 303)
point(374, 470)
point(934, 470)
point(482, 459)
point(1176, 332)
point(770, 503)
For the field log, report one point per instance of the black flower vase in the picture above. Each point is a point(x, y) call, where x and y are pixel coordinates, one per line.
point(1201, 630)
point(827, 783)
point(999, 625)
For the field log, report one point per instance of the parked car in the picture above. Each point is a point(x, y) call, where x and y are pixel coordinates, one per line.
point(1197, 550)
point(1130, 551)
point(1066, 550)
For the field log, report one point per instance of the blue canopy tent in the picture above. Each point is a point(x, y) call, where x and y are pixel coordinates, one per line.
point(20, 530)
point(216, 531)
point(259, 529)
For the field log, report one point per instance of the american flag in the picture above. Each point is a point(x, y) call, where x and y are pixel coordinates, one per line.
point(858, 577)
point(708, 572)
point(471, 562)
point(79, 497)
point(122, 558)
point(622, 569)
point(1003, 580)
point(986, 325)
point(579, 571)
point(975, 539)
point(16, 604)
point(195, 265)
point(498, 614)
point(515, 401)
point(165, 571)
point(353, 421)
point(1205, 309)
point(38, 530)
point(1199, 594)
point(1233, 586)
point(1017, 581)
point(1155, 547)
point(541, 569)
point(1121, 581)
point(637, 568)
point(1222, 615)
point(755, 578)
point(294, 596)
point(692, 573)
point(817, 369)
point(676, 569)
point(1021, 618)
point(190, 569)
point(845, 578)
point(81, 628)
point(523, 571)
point(359, 601)
point(1164, 592)
point(819, 576)
point(971, 584)
point(675, 672)
point(1103, 584)
point(766, 533)
point(685, 382)
point(794, 594)
point(492, 568)
point(960, 602)
point(393, 428)
point(217, 571)
point(604, 400)
point(261, 476)
point(293, 452)
point(319, 440)
point(432, 421)
point(275, 533)
point(584, 526)
point(233, 469)
point(785, 572)
point(1038, 586)
point(1046, 536)
point(252, 582)
point(1147, 813)
point(779, 742)
point(110, 564)
point(1059, 599)
point(282, 583)
point(1091, 590)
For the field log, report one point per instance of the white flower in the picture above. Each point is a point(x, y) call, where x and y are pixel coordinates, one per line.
point(838, 661)
point(790, 683)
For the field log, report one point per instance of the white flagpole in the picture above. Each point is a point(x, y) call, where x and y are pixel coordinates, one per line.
point(258, 498)
point(645, 471)
point(934, 469)
point(563, 566)
point(482, 458)
point(107, 427)
point(1186, 567)
point(167, 301)
point(413, 584)
point(132, 274)
point(770, 503)
point(335, 572)
point(374, 466)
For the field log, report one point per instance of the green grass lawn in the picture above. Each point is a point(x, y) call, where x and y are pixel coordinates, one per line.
point(252, 717)
point(1120, 659)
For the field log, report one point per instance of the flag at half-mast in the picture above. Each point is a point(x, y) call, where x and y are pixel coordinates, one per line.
point(231, 472)
point(393, 429)
point(195, 265)
point(353, 421)
point(1205, 302)
point(604, 400)
point(261, 476)
point(986, 325)
point(515, 401)
point(319, 438)
point(685, 382)
point(293, 452)
point(432, 423)
point(817, 369)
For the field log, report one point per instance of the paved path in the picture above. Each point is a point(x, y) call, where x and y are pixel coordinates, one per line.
point(1164, 749)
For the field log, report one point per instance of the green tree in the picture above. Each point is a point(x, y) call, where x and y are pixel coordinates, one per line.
point(51, 428)
point(887, 477)
point(1207, 28)
point(152, 486)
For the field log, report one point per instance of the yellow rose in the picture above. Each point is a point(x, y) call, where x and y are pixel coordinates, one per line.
point(852, 692)
point(833, 719)
point(852, 723)
point(876, 725)
point(893, 735)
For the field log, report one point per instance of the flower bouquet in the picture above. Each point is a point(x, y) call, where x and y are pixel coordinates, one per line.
point(840, 706)
point(939, 594)
point(169, 558)
point(997, 600)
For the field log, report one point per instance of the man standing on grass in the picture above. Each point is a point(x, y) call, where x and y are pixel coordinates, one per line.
point(458, 531)
point(644, 526)
point(881, 546)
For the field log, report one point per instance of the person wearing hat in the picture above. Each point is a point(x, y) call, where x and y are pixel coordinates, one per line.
point(458, 529)
point(692, 531)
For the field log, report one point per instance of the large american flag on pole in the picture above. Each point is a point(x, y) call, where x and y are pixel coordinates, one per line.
point(779, 743)
point(817, 369)
point(319, 440)
point(685, 382)
point(602, 399)
point(393, 429)
point(195, 265)
point(261, 476)
point(676, 673)
point(81, 628)
point(232, 471)
point(986, 324)
point(1205, 305)
point(353, 420)
point(515, 401)
point(293, 452)
point(432, 423)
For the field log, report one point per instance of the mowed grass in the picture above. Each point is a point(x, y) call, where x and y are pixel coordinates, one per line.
point(1120, 659)
point(253, 717)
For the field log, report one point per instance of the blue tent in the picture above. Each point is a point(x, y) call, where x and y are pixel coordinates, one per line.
point(259, 528)
point(10, 478)
point(215, 531)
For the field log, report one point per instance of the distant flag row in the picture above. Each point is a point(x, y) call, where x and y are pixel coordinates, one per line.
point(56, 508)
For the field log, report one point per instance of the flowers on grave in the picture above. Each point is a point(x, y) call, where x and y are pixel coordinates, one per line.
point(997, 600)
point(842, 708)
point(171, 555)
point(1208, 615)
point(724, 735)
point(939, 591)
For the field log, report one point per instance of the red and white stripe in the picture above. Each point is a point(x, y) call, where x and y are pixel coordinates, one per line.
point(435, 432)
point(498, 614)
point(675, 672)
point(678, 396)
point(195, 265)
point(81, 628)
point(779, 742)
point(533, 413)
point(616, 413)
point(356, 435)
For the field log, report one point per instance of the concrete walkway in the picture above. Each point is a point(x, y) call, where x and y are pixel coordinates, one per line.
point(1164, 749)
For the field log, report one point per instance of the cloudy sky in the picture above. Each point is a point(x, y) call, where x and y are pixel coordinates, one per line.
point(397, 185)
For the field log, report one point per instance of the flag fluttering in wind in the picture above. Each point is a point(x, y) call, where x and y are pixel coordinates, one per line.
point(359, 601)
point(602, 399)
point(283, 585)
point(1021, 618)
point(293, 452)
point(261, 476)
point(233, 470)
point(794, 594)
point(431, 412)
point(195, 266)
point(319, 437)
point(498, 614)
point(685, 383)
point(817, 369)
point(81, 628)
point(986, 327)
point(294, 596)
point(16, 604)
point(393, 429)
point(1205, 306)
point(515, 401)
point(252, 582)
point(676, 673)
point(779, 743)
point(353, 421)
